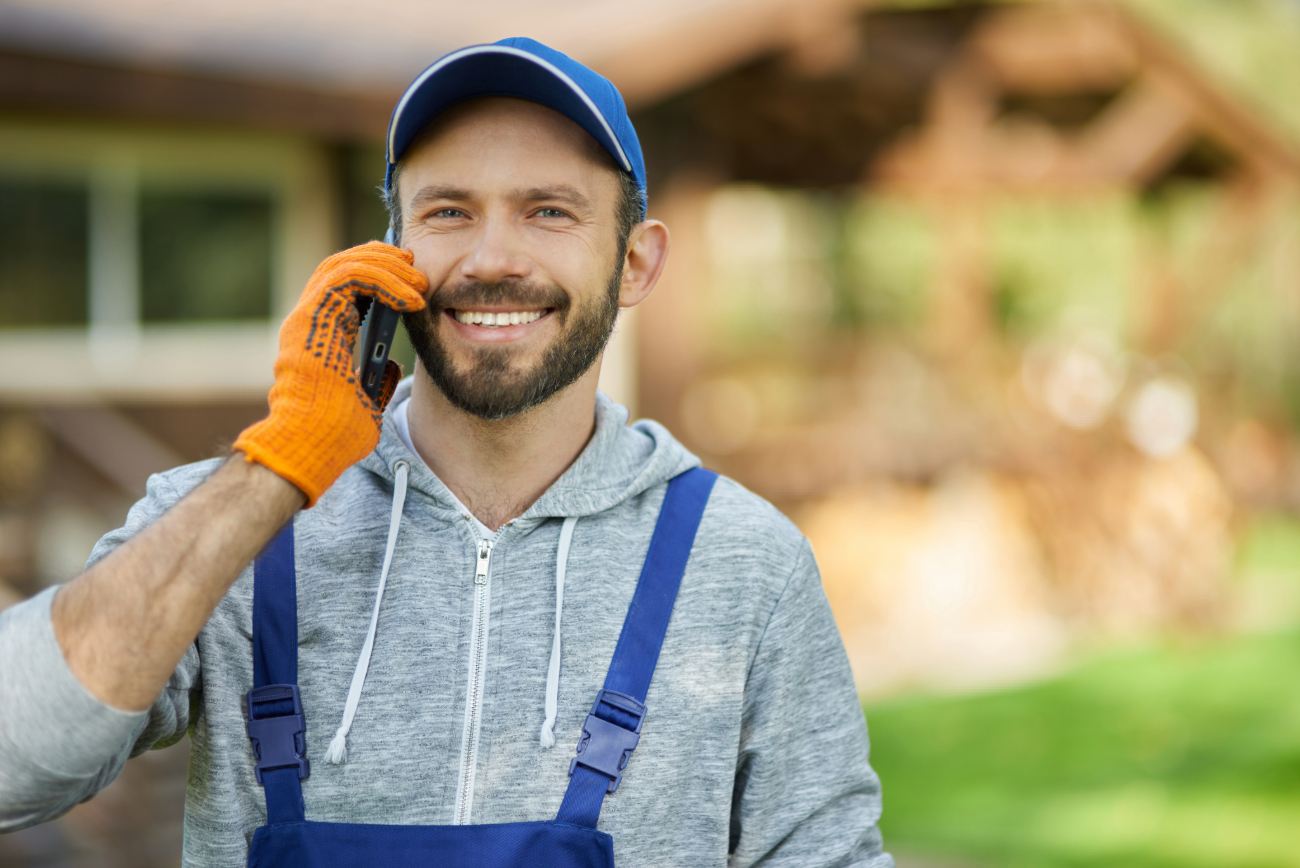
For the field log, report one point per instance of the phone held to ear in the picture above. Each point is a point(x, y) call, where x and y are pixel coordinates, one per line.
point(378, 325)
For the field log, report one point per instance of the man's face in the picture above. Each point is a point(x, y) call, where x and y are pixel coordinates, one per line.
point(509, 209)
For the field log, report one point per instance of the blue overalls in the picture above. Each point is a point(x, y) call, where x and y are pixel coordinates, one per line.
point(276, 726)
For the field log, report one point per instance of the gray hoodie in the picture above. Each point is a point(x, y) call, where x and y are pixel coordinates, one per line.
point(754, 747)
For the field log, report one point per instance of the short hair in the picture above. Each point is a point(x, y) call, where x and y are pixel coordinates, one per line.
point(627, 212)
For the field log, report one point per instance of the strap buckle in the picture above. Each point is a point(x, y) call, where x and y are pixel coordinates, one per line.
point(606, 746)
point(278, 734)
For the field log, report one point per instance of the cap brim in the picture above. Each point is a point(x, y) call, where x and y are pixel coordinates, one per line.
point(495, 70)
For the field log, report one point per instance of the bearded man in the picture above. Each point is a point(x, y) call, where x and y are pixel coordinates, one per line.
point(490, 622)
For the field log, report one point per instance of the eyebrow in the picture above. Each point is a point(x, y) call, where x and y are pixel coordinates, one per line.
point(435, 191)
point(560, 192)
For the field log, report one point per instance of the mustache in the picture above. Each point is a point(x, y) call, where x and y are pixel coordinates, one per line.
point(516, 293)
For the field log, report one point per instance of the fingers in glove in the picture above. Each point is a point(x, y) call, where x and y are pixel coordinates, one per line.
point(332, 330)
point(379, 271)
point(392, 376)
point(321, 421)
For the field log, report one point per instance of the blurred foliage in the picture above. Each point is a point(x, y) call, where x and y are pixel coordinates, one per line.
point(1180, 272)
point(890, 260)
point(1270, 543)
point(1179, 755)
point(774, 256)
point(1051, 256)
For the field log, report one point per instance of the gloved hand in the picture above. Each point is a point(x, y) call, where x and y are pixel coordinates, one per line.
point(321, 422)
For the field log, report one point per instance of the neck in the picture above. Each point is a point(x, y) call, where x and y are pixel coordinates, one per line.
point(498, 469)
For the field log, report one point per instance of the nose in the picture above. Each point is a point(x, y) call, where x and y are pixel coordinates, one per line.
point(497, 253)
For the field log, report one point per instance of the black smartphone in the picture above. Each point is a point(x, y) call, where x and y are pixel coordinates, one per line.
point(378, 326)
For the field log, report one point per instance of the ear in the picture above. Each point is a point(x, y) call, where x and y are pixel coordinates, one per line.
point(647, 251)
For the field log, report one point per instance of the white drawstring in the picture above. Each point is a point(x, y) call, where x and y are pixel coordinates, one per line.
point(553, 673)
point(338, 749)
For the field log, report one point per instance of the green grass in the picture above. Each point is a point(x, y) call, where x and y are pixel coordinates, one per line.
point(1183, 755)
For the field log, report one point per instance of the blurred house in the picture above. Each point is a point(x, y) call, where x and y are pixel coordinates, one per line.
point(973, 290)
point(992, 298)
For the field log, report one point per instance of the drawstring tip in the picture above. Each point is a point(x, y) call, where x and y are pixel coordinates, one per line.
point(338, 750)
point(548, 736)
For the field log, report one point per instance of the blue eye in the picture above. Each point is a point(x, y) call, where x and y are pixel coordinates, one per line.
point(551, 212)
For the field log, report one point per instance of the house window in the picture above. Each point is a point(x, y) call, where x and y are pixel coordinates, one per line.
point(204, 256)
point(199, 256)
point(154, 264)
point(43, 244)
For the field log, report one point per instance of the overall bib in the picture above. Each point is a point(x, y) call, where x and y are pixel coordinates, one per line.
point(276, 726)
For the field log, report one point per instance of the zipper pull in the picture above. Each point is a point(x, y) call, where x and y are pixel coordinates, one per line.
point(484, 555)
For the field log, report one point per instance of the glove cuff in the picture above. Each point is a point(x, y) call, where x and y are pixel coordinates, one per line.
point(312, 467)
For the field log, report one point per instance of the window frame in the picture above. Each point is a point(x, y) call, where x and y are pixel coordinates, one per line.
point(116, 356)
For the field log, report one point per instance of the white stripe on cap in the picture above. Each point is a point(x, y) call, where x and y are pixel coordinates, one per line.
point(524, 55)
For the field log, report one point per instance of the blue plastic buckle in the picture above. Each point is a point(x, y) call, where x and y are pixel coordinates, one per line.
point(279, 740)
point(605, 747)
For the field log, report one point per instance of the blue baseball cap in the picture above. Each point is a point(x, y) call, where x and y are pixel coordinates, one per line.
point(526, 69)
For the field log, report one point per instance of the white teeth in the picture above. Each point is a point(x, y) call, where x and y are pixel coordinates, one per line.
point(493, 319)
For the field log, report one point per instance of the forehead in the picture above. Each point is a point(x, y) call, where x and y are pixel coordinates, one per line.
point(507, 140)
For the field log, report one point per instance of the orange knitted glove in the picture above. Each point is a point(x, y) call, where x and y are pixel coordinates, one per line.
point(321, 422)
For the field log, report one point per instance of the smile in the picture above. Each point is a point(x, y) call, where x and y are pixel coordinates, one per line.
point(496, 319)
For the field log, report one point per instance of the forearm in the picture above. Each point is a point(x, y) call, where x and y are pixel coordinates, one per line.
point(125, 623)
point(58, 745)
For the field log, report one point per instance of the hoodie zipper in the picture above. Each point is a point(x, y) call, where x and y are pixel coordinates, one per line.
point(477, 673)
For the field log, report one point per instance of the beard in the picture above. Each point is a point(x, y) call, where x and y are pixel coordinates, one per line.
point(492, 388)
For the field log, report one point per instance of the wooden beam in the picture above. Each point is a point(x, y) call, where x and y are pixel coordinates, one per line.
point(112, 443)
point(1137, 137)
point(1054, 48)
point(951, 152)
point(673, 58)
point(1229, 120)
point(825, 41)
point(30, 82)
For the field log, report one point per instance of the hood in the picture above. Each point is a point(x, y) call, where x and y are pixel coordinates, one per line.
point(620, 461)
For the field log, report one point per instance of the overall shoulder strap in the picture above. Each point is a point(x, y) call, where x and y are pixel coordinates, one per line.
point(276, 724)
point(275, 612)
point(613, 728)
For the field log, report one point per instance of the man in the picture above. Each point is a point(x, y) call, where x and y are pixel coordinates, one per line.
point(465, 561)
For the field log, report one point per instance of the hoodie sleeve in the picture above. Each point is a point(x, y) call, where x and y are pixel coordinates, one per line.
point(59, 745)
point(805, 793)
